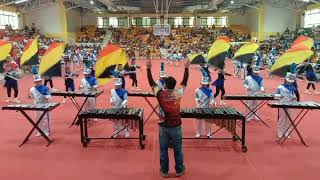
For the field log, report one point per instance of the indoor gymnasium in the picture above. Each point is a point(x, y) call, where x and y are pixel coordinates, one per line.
point(156, 89)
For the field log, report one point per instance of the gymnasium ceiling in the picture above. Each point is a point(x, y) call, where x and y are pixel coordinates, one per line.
point(187, 6)
point(173, 6)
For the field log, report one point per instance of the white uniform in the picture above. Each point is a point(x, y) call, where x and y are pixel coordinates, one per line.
point(253, 88)
point(119, 100)
point(285, 96)
point(203, 100)
point(88, 86)
point(40, 98)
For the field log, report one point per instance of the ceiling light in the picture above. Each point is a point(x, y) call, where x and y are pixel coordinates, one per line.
point(232, 2)
point(91, 2)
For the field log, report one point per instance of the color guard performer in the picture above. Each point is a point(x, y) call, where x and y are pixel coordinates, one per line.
point(133, 75)
point(40, 94)
point(219, 83)
point(119, 99)
point(69, 81)
point(204, 98)
point(11, 82)
point(285, 93)
point(254, 85)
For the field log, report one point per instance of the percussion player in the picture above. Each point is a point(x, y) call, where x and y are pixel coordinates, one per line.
point(170, 127)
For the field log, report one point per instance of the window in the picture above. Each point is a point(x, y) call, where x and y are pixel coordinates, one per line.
point(178, 21)
point(103, 22)
point(113, 21)
point(8, 18)
point(121, 21)
point(191, 21)
point(136, 21)
point(153, 21)
point(217, 21)
point(146, 22)
point(312, 18)
point(170, 21)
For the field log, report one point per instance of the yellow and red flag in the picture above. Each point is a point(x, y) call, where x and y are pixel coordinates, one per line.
point(50, 64)
point(30, 53)
point(297, 54)
point(305, 40)
point(108, 60)
point(246, 52)
point(5, 49)
point(219, 51)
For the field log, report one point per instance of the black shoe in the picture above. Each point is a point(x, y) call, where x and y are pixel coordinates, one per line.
point(164, 174)
point(178, 174)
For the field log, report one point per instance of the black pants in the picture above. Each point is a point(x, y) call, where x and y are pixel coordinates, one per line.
point(15, 89)
point(69, 88)
point(46, 82)
point(134, 80)
point(297, 95)
point(311, 84)
point(218, 91)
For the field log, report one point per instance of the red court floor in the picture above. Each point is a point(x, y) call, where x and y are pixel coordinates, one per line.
point(66, 159)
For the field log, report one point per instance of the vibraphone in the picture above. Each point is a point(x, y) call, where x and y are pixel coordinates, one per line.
point(33, 107)
point(262, 98)
point(73, 95)
point(223, 117)
point(131, 114)
point(304, 107)
point(146, 95)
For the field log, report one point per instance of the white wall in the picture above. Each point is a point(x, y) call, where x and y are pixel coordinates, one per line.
point(252, 17)
point(89, 19)
point(278, 19)
point(73, 20)
point(46, 18)
point(237, 19)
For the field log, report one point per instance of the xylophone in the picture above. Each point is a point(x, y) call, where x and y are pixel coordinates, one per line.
point(46, 107)
point(81, 93)
point(296, 105)
point(77, 94)
point(266, 96)
point(263, 98)
point(304, 106)
point(146, 95)
point(223, 117)
point(132, 116)
point(141, 94)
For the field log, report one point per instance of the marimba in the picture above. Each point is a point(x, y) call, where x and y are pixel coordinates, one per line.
point(262, 98)
point(146, 95)
point(223, 117)
point(304, 106)
point(33, 107)
point(131, 114)
point(73, 95)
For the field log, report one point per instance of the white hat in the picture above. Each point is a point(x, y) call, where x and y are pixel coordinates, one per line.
point(290, 77)
point(205, 80)
point(163, 74)
point(37, 77)
point(117, 81)
point(87, 71)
